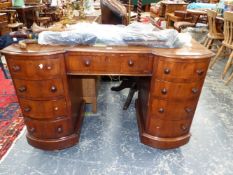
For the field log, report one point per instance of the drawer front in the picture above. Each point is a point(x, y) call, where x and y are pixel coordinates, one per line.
point(172, 110)
point(192, 71)
point(177, 91)
point(166, 129)
point(43, 109)
point(49, 129)
point(115, 63)
point(35, 69)
point(39, 89)
point(136, 63)
point(82, 63)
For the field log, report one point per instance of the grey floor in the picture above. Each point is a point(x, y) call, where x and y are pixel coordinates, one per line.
point(109, 143)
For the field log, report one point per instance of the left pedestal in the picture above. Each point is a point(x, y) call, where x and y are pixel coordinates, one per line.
point(44, 96)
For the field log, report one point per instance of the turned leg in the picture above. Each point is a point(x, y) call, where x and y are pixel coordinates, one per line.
point(216, 56)
point(206, 41)
point(132, 91)
point(209, 43)
point(229, 79)
point(228, 65)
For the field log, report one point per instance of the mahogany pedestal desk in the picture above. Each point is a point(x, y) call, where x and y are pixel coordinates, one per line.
point(48, 81)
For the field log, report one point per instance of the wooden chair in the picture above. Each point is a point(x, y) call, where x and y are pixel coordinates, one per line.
point(13, 22)
point(189, 21)
point(213, 34)
point(227, 43)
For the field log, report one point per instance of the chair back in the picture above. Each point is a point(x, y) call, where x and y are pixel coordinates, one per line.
point(211, 21)
point(228, 28)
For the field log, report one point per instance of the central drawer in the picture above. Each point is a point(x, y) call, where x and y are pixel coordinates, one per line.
point(43, 109)
point(39, 89)
point(112, 63)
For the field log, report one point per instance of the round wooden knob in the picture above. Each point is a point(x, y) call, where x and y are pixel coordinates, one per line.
point(184, 127)
point(16, 68)
point(200, 71)
point(161, 110)
point(59, 129)
point(27, 109)
point(87, 63)
point(130, 63)
point(49, 67)
point(167, 71)
point(32, 130)
point(194, 90)
point(22, 89)
point(53, 88)
point(55, 108)
point(164, 91)
point(188, 110)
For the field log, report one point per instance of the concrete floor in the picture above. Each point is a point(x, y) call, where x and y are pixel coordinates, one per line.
point(109, 143)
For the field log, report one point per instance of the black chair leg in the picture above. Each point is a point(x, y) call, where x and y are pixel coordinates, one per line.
point(132, 91)
point(124, 84)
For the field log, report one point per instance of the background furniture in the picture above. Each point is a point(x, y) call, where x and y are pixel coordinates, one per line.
point(170, 82)
point(170, 7)
point(212, 34)
point(227, 43)
point(3, 24)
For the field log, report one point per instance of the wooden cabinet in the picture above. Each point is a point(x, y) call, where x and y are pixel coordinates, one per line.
point(175, 88)
point(52, 87)
point(3, 24)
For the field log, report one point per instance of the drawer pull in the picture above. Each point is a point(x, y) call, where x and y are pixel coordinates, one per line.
point(184, 127)
point(16, 68)
point(27, 109)
point(161, 110)
point(32, 130)
point(55, 108)
point(188, 110)
point(22, 89)
point(130, 63)
point(87, 63)
point(53, 89)
point(200, 71)
point(59, 129)
point(167, 71)
point(194, 90)
point(49, 67)
point(164, 91)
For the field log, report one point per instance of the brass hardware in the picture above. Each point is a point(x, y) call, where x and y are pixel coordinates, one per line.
point(49, 67)
point(55, 108)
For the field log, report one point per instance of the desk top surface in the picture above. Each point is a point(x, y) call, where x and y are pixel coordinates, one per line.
point(194, 50)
